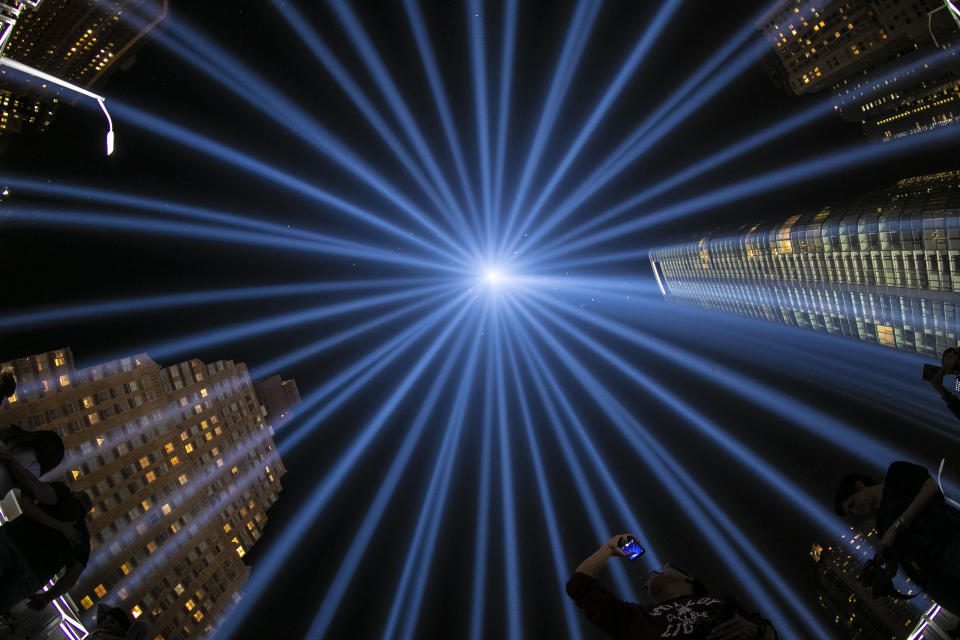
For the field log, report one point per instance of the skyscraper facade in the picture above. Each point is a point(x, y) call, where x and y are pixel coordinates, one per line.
point(79, 41)
point(181, 467)
point(278, 397)
point(851, 607)
point(866, 54)
point(885, 269)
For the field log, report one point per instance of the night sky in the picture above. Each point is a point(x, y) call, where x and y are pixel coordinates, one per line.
point(828, 381)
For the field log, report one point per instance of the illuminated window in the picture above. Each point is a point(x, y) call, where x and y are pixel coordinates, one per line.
point(151, 546)
point(145, 505)
point(165, 508)
point(100, 591)
point(178, 588)
point(240, 551)
point(203, 393)
point(86, 602)
point(182, 479)
point(136, 611)
point(198, 616)
point(208, 436)
point(168, 447)
point(219, 462)
point(125, 567)
point(64, 380)
point(174, 528)
point(58, 359)
point(76, 474)
point(144, 462)
point(93, 418)
point(183, 435)
point(226, 528)
point(151, 476)
point(189, 448)
point(12, 399)
point(174, 460)
point(234, 470)
point(189, 604)
point(203, 424)
point(87, 402)
point(217, 431)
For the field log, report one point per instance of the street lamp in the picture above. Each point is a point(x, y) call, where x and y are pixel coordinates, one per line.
point(19, 66)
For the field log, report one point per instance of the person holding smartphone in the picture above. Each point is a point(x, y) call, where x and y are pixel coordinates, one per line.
point(682, 605)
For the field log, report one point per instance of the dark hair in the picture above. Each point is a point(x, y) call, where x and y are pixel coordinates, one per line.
point(8, 384)
point(84, 499)
point(105, 611)
point(47, 445)
point(848, 487)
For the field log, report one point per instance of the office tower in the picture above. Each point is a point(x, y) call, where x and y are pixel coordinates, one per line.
point(181, 466)
point(279, 397)
point(79, 41)
point(859, 51)
point(850, 605)
point(885, 269)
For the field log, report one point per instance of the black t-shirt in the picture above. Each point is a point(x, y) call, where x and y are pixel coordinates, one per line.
point(47, 550)
point(925, 539)
point(689, 617)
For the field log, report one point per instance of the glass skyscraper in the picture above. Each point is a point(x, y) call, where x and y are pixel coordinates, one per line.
point(885, 269)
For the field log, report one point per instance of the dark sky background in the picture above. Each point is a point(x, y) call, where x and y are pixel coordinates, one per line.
point(49, 266)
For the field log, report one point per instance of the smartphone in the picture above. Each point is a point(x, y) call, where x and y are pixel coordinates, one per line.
point(930, 370)
point(630, 546)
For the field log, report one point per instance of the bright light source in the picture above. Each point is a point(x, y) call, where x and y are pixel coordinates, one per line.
point(493, 276)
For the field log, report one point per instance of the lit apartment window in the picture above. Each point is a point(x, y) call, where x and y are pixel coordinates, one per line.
point(168, 447)
point(189, 448)
point(144, 462)
point(240, 551)
point(64, 380)
point(88, 402)
point(203, 393)
point(136, 611)
point(59, 359)
point(178, 588)
point(12, 399)
point(165, 508)
point(100, 591)
point(226, 528)
point(198, 616)
point(174, 461)
point(151, 546)
point(145, 505)
point(86, 602)
point(125, 567)
point(189, 604)
point(151, 476)
point(182, 479)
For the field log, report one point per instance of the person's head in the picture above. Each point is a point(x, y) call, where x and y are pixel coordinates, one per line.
point(8, 384)
point(856, 495)
point(46, 445)
point(112, 620)
point(669, 582)
point(84, 499)
point(950, 359)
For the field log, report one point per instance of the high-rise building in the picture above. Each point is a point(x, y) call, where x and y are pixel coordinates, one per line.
point(181, 466)
point(885, 269)
point(865, 52)
point(854, 611)
point(79, 41)
point(279, 397)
